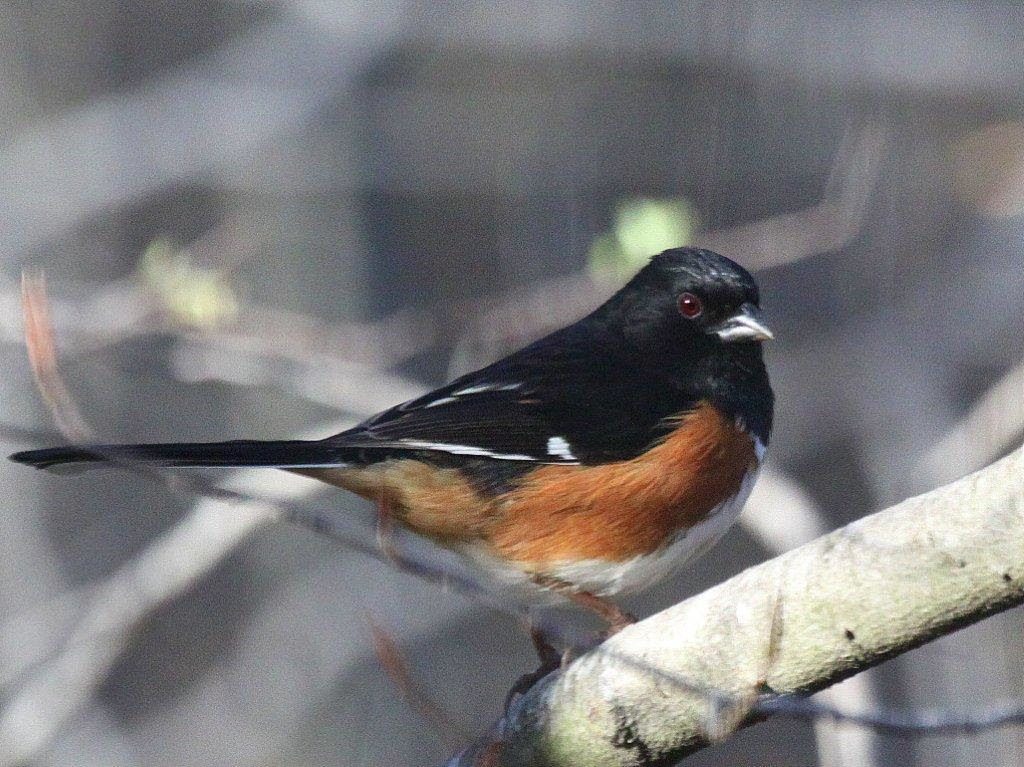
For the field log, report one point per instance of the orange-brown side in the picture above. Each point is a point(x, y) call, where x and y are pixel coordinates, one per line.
point(617, 511)
point(611, 512)
point(438, 503)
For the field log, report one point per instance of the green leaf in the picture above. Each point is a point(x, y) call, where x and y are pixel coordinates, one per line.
point(642, 228)
point(194, 295)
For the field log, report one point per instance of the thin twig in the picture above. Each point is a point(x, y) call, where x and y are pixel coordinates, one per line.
point(42, 355)
point(397, 668)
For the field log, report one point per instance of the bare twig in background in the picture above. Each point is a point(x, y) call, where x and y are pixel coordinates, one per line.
point(270, 359)
point(112, 312)
point(856, 746)
point(397, 668)
point(261, 346)
point(504, 322)
point(778, 533)
point(932, 722)
point(385, 528)
point(826, 227)
point(125, 309)
point(42, 354)
point(386, 342)
point(991, 425)
point(89, 636)
point(54, 692)
point(880, 586)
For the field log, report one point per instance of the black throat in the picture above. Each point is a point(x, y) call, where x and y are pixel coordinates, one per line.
point(733, 378)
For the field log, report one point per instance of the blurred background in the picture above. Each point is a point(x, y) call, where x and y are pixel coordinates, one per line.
point(269, 219)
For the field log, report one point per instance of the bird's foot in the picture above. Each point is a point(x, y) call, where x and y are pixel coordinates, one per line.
point(526, 682)
point(550, 659)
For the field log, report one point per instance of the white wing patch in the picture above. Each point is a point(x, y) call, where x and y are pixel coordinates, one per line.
point(456, 449)
point(557, 446)
point(442, 401)
point(481, 388)
point(446, 447)
point(471, 390)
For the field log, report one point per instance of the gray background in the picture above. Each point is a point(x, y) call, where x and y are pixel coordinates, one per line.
point(384, 186)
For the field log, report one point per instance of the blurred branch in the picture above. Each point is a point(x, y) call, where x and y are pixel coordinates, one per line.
point(506, 321)
point(269, 353)
point(124, 309)
point(802, 522)
point(398, 670)
point(63, 684)
point(339, 364)
point(735, 654)
point(42, 355)
point(828, 226)
point(993, 422)
point(115, 150)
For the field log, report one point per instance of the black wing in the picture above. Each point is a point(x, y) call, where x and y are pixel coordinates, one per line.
point(570, 398)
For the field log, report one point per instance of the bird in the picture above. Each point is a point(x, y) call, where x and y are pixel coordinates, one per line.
point(589, 464)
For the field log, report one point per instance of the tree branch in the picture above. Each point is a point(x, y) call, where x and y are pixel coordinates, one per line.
point(728, 657)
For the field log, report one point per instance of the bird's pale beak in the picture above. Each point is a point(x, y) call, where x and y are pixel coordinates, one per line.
point(746, 325)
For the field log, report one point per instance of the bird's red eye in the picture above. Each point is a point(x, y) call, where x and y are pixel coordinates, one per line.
point(690, 306)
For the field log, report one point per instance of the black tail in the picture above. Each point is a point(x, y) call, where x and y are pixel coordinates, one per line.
point(239, 453)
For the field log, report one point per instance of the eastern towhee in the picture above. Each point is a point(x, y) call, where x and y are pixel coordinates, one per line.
point(590, 463)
